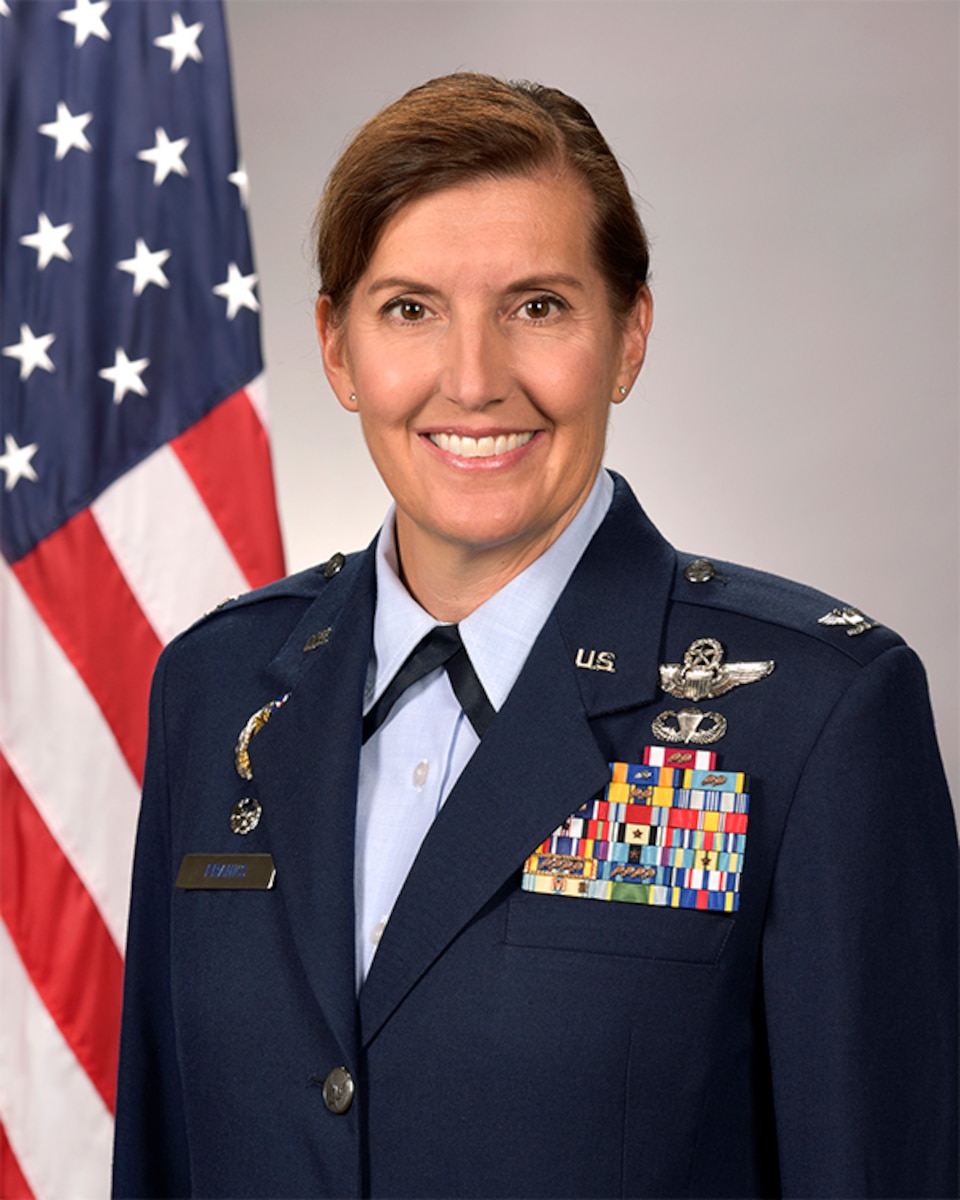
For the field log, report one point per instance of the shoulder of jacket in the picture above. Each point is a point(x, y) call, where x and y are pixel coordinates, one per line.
point(297, 590)
point(714, 584)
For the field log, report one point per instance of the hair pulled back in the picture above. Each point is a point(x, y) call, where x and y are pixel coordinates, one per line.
point(459, 128)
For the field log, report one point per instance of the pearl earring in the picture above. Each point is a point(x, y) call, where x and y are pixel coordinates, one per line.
point(353, 397)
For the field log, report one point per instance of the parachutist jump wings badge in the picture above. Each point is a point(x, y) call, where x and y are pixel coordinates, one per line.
point(703, 675)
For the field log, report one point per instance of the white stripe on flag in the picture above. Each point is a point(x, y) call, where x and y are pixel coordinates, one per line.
point(166, 544)
point(256, 391)
point(61, 748)
point(60, 1129)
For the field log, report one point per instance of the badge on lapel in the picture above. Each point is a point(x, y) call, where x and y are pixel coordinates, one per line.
point(669, 832)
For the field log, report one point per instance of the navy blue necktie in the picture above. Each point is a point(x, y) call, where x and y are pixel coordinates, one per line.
point(442, 647)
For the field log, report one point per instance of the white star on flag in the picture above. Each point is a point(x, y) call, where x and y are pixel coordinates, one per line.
point(86, 19)
point(125, 376)
point(136, 490)
point(146, 267)
point(50, 241)
point(32, 352)
point(240, 181)
point(166, 156)
point(16, 462)
point(68, 130)
point(237, 290)
point(181, 41)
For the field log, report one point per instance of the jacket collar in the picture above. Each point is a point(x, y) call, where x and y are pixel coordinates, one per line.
point(306, 769)
point(540, 759)
point(615, 605)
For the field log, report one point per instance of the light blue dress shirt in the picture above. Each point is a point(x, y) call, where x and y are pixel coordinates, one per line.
point(409, 766)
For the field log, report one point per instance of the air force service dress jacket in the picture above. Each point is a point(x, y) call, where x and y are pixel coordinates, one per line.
point(514, 1043)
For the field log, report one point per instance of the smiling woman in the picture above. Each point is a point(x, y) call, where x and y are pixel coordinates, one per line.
point(482, 354)
point(544, 809)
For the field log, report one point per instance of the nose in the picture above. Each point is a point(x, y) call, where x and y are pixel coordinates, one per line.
point(475, 370)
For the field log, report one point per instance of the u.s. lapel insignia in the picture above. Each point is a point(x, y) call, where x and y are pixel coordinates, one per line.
point(703, 675)
point(241, 754)
point(315, 640)
point(852, 619)
point(671, 837)
point(690, 726)
point(596, 660)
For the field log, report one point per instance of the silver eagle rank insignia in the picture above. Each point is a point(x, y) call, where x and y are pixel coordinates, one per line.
point(851, 619)
point(703, 675)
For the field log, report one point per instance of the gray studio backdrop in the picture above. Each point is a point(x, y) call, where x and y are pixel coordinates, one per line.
point(796, 164)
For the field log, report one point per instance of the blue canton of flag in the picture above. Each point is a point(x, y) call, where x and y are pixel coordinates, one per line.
point(127, 273)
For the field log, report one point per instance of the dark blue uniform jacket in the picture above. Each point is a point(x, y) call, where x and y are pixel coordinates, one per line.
point(510, 1044)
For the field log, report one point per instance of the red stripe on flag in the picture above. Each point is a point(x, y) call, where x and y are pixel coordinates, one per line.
point(13, 1186)
point(66, 948)
point(76, 586)
point(227, 456)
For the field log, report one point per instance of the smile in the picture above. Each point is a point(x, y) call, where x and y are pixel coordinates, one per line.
point(484, 447)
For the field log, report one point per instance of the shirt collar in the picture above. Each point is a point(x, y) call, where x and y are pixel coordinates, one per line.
point(500, 633)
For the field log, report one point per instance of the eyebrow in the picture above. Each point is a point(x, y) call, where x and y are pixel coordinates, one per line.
point(393, 283)
point(532, 283)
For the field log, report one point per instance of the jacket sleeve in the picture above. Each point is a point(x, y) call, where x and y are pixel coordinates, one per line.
point(150, 1147)
point(860, 953)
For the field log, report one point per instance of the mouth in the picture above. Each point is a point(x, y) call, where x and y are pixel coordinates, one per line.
point(482, 447)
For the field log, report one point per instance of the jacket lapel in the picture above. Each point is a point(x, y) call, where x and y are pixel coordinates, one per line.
point(540, 760)
point(305, 762)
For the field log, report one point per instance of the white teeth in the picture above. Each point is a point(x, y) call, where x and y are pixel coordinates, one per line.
point(485, 447)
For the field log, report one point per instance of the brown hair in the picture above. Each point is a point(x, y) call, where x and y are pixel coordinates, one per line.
point(459, 128)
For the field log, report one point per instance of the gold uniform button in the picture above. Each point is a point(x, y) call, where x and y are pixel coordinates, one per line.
point(338, 1090)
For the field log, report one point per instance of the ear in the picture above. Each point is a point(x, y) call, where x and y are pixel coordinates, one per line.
point(332, 337)
point(636, 330)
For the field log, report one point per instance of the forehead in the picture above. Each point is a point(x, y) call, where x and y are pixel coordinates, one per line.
point(535, 222)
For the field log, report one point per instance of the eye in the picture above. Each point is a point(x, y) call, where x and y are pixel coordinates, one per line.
point(541, 307)
point(408, 311)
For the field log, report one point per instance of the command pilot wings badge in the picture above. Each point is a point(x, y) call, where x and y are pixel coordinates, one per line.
point(703, 675)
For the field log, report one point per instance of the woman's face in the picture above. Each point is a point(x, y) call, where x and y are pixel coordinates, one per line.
point(484, 356)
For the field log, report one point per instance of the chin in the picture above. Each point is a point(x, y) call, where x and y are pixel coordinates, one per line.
point(484, 520)
point(480, 536)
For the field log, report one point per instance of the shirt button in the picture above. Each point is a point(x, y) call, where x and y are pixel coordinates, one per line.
point(421, 771)
point(376, 933)
point(338, 1090)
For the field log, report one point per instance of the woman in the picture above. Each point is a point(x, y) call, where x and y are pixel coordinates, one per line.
point(643, 883)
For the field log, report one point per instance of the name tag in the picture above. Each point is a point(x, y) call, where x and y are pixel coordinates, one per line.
point(253, 872)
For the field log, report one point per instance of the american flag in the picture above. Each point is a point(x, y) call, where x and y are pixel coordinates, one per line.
point(136, 493)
